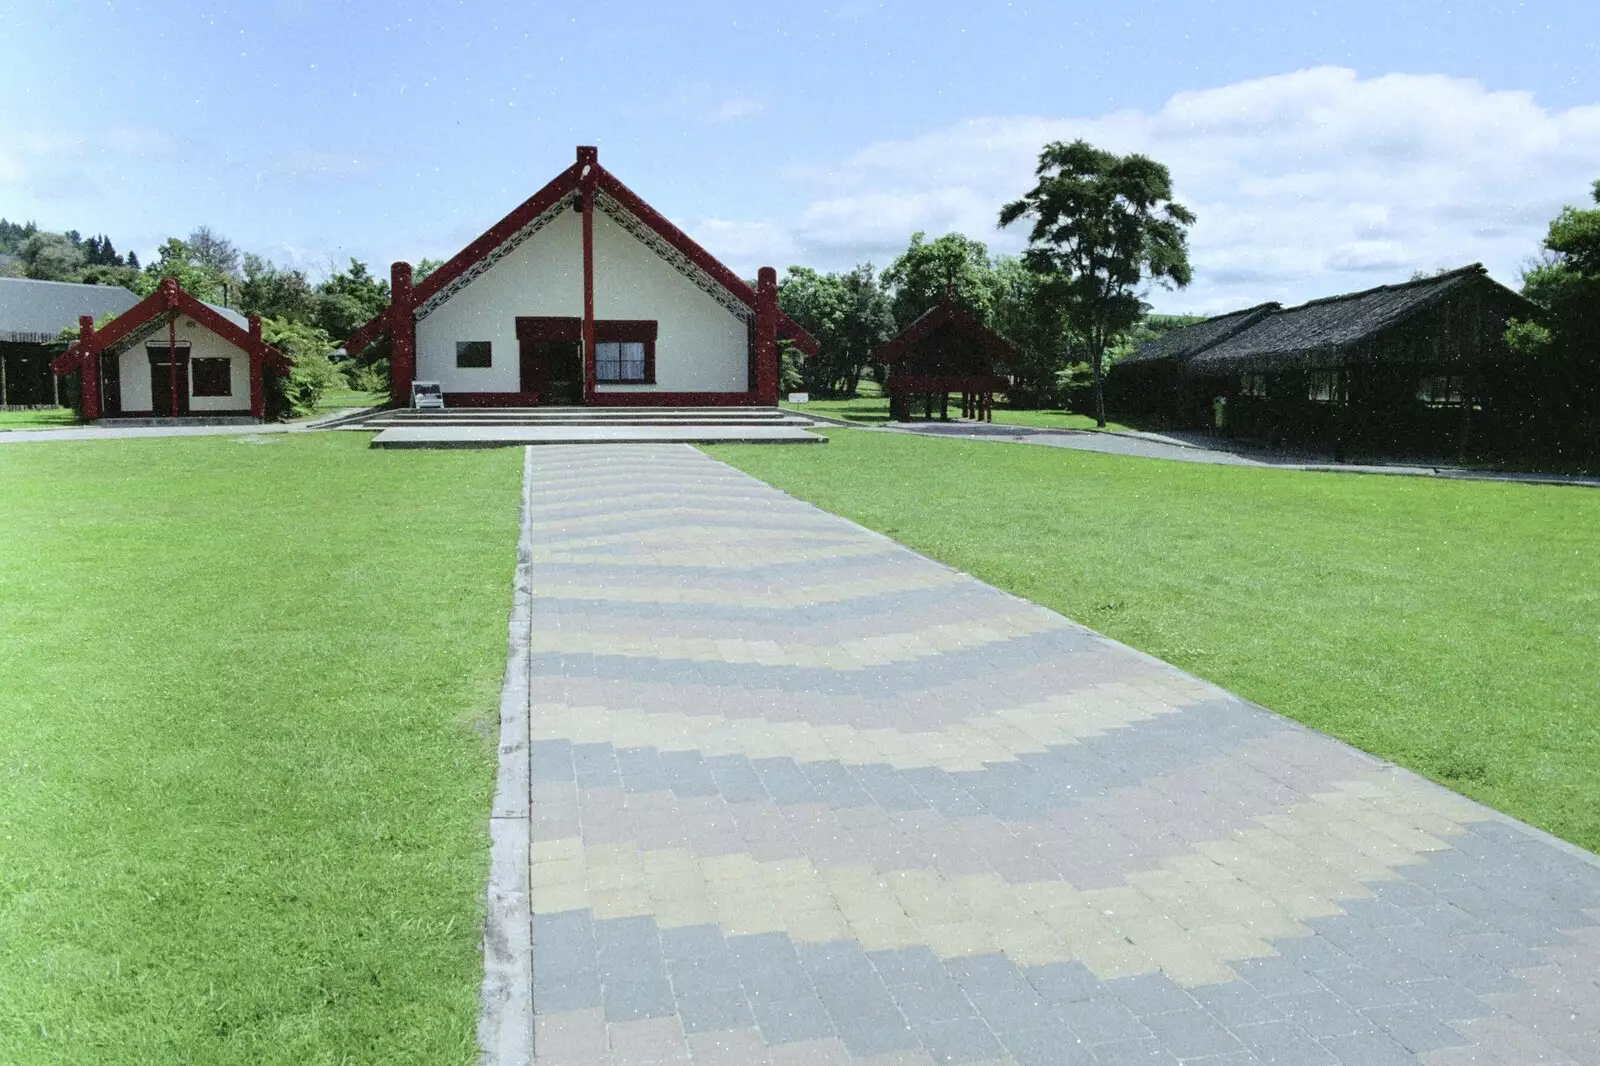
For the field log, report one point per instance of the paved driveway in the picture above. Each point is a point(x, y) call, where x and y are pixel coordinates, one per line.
point(800, 795)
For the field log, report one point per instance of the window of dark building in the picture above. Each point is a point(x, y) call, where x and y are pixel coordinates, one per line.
point(474, 355)
point(212, 377)
point(625, 353)
point(1440, 390)
point(1253, 385)
point(1324, 386)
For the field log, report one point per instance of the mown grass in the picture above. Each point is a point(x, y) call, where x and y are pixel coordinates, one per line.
point(874, 410)
point(247, 727)
point(337, 399)
point(46, 418)
point(1452, 627)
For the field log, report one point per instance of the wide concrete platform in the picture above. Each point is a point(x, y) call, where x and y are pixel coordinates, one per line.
point(516, 436)
point(800, 795)
point(507, 427)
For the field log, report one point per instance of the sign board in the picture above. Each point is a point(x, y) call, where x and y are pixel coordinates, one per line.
point(799, 397)
point(427, 395)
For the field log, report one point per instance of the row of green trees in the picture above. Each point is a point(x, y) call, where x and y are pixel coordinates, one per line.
point(1103, 229)
point(1559, 351)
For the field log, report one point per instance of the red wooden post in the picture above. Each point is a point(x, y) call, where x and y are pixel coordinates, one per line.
point(767, 337)
point(258, 392)
point(588, 178)
point(402, 335)
point(88, 368)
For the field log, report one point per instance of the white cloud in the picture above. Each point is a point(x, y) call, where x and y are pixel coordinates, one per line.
point(736, 107)
point(1305, 184)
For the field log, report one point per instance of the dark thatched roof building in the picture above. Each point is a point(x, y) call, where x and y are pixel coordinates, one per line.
point(1398, 368)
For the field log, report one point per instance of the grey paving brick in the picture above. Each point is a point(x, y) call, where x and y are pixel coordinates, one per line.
point(1276, 975)
point(714, 1011)
point(1010, 1010)
point(702, 973)
point(1150, 993)
point(961, 1040)
point(1313, 953)
point(1361, 988)
point(1368, 1049)
point(1416, 1028)
point(1322, 1013)
point(1064, 982)
point(692, 941)
point(553, 993)
point(1050, 1046)
point(936, 1000)
point(1236, 1003)
point(1446, 999)
point(1283, 1044)
point(898, 966)
point(985, 973)
point(1101, 1020)
point(1146, 1052)
point(1190, 1034)
point(792, 1018)
point(627, 1001)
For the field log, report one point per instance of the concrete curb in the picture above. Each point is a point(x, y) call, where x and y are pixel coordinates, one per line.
point(505, 1022)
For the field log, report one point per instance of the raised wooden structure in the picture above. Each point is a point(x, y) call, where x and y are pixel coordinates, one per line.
point(946, 350)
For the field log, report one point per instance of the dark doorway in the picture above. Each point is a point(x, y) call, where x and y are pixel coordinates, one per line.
point(164, 364)
point(111, 383)
point(551, 351)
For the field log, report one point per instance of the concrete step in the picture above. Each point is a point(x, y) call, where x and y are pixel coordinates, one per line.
point(518, 436)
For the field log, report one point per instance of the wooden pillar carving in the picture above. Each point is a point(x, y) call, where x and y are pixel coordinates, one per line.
point(767, 337)
point(258, 392)
point(588, 180)
point(402, 334)
point(88, 368)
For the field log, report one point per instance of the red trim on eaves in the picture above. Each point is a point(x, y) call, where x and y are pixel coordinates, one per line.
point(564, 183)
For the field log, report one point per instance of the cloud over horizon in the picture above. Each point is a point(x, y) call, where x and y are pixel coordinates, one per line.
point(1305, 184)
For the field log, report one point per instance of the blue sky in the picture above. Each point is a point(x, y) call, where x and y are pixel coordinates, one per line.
point(1325, 146)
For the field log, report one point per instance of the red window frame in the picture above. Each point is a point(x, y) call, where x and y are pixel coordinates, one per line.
point(620, 330)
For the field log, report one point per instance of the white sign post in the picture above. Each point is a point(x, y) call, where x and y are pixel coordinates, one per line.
point(427, 396)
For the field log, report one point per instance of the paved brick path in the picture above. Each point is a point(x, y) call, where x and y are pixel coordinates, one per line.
point(802, 796)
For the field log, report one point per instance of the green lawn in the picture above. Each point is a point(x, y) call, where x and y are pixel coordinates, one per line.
point(247, 747)
point(337, 399)
point(874, 410)
point(49, 418)
point(1452, 627)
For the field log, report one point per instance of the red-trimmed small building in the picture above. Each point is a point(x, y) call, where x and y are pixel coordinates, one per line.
point(171, 356)
point(947, 350)
point(584, 294)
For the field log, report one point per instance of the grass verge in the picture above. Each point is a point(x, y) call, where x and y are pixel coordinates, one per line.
point(247, 740)
point(1452, 627)
point(874, 410)
point(46, 418)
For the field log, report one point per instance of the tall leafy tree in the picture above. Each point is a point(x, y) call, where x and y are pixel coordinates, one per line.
point(175, 261)
point(212, 250)
point(848, 314)
point(349, 298)
point(51, 257)
point(1104, 226)
point(1036, 326)
point(921, 275)
point(1561, 354)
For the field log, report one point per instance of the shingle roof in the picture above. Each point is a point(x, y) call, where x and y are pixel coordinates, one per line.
point(33, 312)
point(1183, 343)
point(1321, 331)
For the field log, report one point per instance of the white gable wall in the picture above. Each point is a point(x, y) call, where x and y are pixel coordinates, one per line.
point(700, 345)
point(134, 368)
point(542, 276)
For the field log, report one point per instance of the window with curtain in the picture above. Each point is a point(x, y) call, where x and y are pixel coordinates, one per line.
point(620, 362)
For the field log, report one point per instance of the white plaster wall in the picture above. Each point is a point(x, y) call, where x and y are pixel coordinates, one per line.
point(700, 345)
point(543, 276)
point(134, 367)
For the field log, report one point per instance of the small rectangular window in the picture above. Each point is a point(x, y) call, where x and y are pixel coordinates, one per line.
point(1253, 385)
point(620, 362)
point(473, 355)
point(1323, 386)
point(212, 377)
point(1440, 390)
